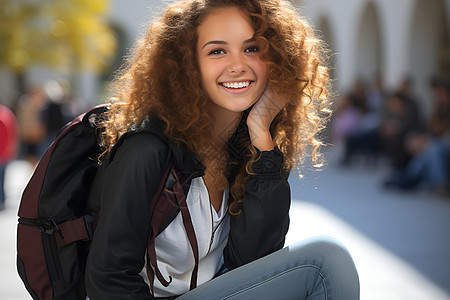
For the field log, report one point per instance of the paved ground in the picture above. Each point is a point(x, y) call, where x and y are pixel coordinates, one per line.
point(400, 242)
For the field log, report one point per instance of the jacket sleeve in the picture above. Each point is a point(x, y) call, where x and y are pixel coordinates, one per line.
point(261, 227)
point(118, 249)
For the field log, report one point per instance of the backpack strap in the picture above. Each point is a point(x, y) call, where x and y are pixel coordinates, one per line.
point(165, 198)
point(157, 209)
point(187, 222)
point(75, 230)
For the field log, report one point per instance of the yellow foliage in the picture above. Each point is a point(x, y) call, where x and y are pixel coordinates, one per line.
point(57, 33)
point(95, 6)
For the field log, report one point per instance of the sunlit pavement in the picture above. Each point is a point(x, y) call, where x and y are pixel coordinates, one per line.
point(383, 275)
point(400, 241)
point(345, 204)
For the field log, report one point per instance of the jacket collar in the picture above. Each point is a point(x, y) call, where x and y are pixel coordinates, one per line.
point(188, 163)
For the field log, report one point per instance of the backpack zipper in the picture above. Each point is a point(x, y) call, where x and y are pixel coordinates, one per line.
point(46, 225)
point(54, 269)
point(51, 252)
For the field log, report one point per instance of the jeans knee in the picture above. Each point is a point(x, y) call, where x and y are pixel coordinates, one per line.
point(330, 247)
point(328, 254)
point(322, 246)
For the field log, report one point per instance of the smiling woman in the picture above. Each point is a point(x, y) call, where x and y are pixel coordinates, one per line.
point(231, 93)
point(232, 72)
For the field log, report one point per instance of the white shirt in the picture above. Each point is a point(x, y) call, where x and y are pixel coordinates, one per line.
point(173, 251)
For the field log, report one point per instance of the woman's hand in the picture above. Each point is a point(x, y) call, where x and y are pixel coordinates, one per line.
point(260, 118)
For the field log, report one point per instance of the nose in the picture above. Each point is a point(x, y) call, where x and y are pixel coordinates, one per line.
point(236, 64)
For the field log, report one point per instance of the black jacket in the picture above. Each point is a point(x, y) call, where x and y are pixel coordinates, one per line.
point(126, 184)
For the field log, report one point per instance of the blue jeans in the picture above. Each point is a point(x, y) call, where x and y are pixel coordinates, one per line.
point(317, 268)
point(429, 166)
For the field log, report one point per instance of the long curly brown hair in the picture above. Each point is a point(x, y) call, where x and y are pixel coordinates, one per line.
point(162, 78)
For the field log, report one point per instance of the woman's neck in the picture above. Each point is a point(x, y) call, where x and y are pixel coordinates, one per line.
point(216, 157)
point(225, 124)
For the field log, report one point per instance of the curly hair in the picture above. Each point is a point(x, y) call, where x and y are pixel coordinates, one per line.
point(163, 79)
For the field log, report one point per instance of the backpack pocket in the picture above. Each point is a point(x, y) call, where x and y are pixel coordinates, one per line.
point(49, 271)
point(31, 262)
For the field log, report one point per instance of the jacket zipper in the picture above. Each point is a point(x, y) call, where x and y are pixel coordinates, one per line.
point(213, 231)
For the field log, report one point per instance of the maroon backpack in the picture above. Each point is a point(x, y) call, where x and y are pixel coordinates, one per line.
point(57, 222)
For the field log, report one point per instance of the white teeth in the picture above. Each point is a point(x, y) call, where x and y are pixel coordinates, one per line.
point(236, 85)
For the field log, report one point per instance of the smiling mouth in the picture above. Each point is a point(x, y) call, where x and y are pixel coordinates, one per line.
point(236, 85)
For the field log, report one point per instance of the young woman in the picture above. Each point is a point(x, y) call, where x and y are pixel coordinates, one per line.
point(233, 92)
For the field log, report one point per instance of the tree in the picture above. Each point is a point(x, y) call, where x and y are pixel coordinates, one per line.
point(55, 33)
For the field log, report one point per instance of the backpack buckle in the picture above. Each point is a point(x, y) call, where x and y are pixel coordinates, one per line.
point(89, 222)
point(49, 227)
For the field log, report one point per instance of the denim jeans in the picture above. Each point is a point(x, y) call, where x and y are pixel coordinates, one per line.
point(317, 268)
point(429, 166)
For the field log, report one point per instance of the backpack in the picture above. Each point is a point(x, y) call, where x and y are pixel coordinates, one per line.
point(57, 220)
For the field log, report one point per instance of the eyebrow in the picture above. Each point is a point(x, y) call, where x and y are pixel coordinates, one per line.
point(250, 40)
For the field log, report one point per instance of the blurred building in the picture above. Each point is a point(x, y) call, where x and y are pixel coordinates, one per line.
point(390, 39)
point(369, 38)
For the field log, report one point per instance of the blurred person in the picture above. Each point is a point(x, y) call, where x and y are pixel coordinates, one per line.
point(376, 97)
point(9, 137)
point(395, 125)
point(400, 117)
point(414, 120)
point(346, 118)
point(32, 129)
point(363, 137)
point(53, 114)
point(350, 111)
point(72, 106)
point(234, 91)
point(430, 149)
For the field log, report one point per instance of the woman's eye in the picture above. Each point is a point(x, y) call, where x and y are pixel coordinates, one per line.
point(252, 49)
point(216, 52)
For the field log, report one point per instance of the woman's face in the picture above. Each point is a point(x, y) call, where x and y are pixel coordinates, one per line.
point(232, 73)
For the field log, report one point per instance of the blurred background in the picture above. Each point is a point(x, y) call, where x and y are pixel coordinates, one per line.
point(385, 191)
